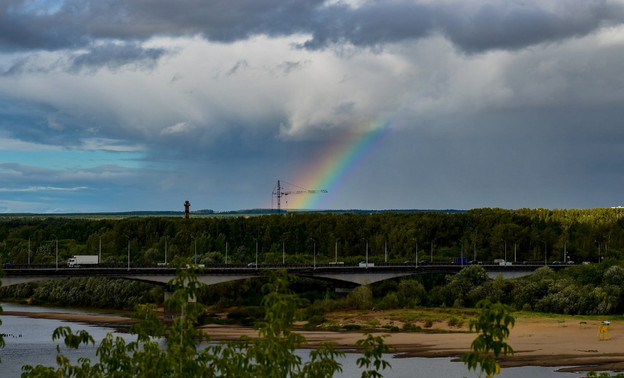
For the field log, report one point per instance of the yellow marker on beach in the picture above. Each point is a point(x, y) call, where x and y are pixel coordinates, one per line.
point(603, 331)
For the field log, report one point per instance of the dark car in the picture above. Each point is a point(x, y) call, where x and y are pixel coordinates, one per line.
point(474, 262)
point(556, 262)
point(7, 265)
point(424, 262)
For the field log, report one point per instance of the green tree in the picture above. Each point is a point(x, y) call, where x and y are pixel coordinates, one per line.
point(1, 337)
point(361, 298)
point(492, 324)
point(411, 293)
point(373, 348)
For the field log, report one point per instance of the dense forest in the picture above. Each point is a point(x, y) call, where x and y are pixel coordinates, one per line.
point(482, 234)
point(583, 235)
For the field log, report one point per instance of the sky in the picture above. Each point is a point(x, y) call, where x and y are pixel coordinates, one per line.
point(141, 105)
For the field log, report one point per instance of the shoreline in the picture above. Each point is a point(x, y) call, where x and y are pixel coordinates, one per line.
point(572, 345)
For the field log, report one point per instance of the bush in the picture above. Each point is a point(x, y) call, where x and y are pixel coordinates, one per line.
point(313, 322)
point(315, 309)
point(390, 301)
point(352, 327)
point(455, 322)
point(360, 298)
point(247, 315)
point(410, 293)
point(614, 275)
point(316, 320)
point(527, 307)
point(409, 327)
point(391, 328)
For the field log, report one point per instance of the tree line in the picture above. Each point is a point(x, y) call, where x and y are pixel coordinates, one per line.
point(481, 234)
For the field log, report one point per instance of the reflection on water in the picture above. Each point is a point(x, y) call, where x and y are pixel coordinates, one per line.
point(30, 343)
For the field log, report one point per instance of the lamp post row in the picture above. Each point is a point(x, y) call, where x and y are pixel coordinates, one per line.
point(226, 250)
point(284, 250)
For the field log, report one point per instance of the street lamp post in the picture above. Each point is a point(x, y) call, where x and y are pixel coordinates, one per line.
point(432, 251)
point(29, 251)
point(56, 242)
point(166, 239)
point(385, 251)
point(366, 240)
point(599, 254)
point(314, 253)
point(256, 253)
point(416, 264)
point(128, 237)
point(226, 251)
point(461, 252)
point(195, 257)
point(505, 241)
point(100, 250)
point(336, 251)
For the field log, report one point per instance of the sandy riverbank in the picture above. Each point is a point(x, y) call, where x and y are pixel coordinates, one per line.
point(536, 341)
point(122, 323)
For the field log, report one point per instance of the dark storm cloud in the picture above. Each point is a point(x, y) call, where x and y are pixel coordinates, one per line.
point(76, 23)
point(511, 25)
point(114, 56)
point(288, 67)
point(47, 124)
point(240, 65)
point(472, 27)
point(370, 25)
point(21, 175)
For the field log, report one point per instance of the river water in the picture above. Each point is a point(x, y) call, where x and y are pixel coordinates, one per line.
point(29, 342)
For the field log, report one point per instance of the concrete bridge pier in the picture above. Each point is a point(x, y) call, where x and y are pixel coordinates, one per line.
point(168, 315)
point(343, 291)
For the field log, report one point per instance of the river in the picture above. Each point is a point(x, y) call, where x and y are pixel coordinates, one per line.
point(29, 341)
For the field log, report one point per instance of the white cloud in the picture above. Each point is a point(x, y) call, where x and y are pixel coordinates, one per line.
point(107, 144)
point(178, 128)
point(42, 189)
point(12, 144)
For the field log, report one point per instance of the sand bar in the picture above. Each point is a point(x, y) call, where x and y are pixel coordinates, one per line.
point(536, 341)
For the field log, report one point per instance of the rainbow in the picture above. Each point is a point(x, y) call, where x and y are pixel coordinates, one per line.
point(332, 167)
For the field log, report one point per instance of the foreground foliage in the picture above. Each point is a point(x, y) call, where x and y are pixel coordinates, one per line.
point(1, 337)
point(271, 354)
point(493, 324)
point(373, 348)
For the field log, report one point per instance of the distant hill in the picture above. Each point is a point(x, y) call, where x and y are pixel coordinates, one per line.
point(209, 212)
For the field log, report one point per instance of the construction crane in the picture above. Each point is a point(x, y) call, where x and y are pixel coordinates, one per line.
point(279, 192)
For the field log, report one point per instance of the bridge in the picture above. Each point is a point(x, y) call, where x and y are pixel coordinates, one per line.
point(349, 274)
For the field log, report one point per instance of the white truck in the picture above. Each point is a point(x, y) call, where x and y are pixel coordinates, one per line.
point(80, 260)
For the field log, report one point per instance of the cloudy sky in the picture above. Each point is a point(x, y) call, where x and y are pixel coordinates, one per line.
point(432, 104)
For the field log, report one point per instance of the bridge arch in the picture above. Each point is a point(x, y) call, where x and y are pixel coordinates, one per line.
point(350, 275)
